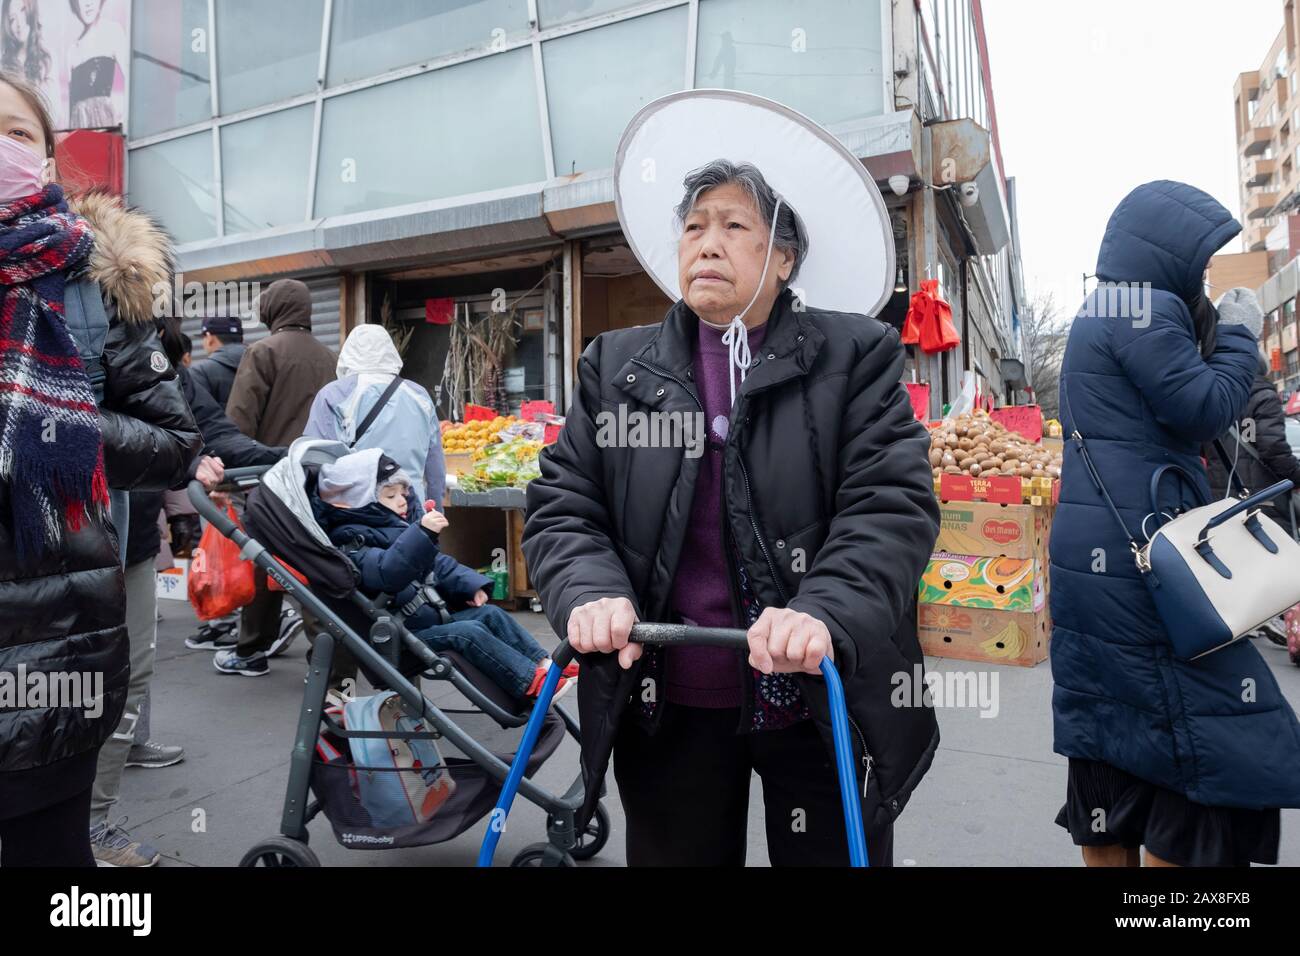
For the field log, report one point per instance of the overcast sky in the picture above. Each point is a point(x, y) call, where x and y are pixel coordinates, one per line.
point(1095, 98)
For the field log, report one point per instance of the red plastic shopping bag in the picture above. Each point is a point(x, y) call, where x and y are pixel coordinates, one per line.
point(220, 580)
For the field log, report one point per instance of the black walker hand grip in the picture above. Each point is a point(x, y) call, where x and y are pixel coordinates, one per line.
point(670, 634)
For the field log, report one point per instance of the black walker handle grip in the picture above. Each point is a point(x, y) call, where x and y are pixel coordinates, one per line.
point(669, 634)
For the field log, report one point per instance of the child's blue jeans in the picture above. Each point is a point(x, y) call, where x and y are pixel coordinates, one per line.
point(492, 641)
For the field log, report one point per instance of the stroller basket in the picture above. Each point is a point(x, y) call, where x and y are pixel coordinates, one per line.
point(470, 792)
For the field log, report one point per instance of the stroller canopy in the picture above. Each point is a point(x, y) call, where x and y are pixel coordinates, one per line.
point(281, 516)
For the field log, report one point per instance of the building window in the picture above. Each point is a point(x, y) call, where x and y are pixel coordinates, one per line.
point(369, 37)
point(174, 181)
point(553, 13)
point(266, 51)
point(824, 59)
point(264, 187)
point(170, 86)
point(477, 130)
point(591, 92)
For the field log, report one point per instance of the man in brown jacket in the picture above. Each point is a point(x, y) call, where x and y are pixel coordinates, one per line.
point(280, 375)
point(270, 399)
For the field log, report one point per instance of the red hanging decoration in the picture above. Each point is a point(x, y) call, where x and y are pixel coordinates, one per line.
point(929, 321)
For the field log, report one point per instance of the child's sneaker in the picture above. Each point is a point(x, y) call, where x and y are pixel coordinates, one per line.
point(539, 678)
point(571, 671)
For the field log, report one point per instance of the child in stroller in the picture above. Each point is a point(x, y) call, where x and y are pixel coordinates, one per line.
point(361, 504)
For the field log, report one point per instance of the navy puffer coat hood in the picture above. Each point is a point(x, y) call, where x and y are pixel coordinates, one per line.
point(1135, 384)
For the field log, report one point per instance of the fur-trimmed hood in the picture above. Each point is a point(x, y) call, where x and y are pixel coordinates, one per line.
point(133, 261)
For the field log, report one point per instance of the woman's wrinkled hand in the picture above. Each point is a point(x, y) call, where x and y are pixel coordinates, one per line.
point(210, 473)
point(784, 641)
point(602, 627)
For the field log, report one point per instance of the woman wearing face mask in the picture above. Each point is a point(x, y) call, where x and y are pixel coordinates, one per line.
point(1189, 760)
point(88, 403)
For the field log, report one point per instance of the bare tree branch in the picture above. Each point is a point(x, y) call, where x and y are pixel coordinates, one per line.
point(1043, 333)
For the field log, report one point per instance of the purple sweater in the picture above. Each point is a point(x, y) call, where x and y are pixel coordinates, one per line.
point(707, 676)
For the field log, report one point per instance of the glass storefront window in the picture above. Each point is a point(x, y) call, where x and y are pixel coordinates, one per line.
point(823, 58)
point(369, 37)
point(555, 12)
point(174, 181)
point(266, 51)
point(591, 91)
point(170, 85)
point(463, 129)
point(265, 163)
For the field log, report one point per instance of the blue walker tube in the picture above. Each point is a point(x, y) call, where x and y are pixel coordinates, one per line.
point(497, 820)
point(844, 764)
point(677, 634)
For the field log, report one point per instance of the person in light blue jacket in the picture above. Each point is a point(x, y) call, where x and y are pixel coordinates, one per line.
point(406, 428)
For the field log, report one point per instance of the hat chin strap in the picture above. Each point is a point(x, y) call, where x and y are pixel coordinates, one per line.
point(736, 336)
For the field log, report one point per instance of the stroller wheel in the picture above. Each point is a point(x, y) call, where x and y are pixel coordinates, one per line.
point(280, 851)
point(593, 839)
point(542, 854)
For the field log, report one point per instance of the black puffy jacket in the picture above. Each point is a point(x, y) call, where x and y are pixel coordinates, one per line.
point(1263, 425)
point(221, 438)
point(64, 612)
point(827, 497)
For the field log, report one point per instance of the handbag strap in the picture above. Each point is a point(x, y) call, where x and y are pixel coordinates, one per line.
point(1232, 472)
point(376, 409)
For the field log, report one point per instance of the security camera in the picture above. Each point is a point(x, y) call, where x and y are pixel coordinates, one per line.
point(968, 194)
point(899, 184)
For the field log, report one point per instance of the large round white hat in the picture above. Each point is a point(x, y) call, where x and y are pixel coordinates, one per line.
point(850, 261)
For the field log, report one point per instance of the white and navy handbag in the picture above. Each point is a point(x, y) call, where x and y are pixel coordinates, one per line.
point(1216, 571)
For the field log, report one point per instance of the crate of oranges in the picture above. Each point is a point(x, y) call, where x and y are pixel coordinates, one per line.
point(462, 441)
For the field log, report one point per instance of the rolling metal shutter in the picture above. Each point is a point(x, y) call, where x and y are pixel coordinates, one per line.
point(324, 317)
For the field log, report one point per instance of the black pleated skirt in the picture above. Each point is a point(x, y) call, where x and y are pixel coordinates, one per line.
point(1105, 806)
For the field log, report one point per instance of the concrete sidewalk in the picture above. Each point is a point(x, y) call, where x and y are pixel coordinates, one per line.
point(989, 800)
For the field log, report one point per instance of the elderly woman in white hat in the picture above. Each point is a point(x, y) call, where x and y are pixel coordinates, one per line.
point(807, 518)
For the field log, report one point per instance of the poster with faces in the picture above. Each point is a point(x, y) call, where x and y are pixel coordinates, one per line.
point(75, 52)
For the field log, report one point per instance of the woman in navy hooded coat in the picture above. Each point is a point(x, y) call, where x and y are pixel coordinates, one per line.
point(1189, 759)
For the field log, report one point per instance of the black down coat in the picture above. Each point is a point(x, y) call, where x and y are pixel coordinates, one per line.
point(65, 612)
point(827, 498)
point(1276, 462)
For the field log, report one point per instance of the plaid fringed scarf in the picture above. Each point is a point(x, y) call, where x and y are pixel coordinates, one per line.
point(51, 447)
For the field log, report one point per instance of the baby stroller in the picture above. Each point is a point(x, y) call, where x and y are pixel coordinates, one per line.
point(280, 530)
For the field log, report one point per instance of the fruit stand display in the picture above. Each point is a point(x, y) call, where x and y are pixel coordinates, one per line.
point(490, 460)
point(983, 595)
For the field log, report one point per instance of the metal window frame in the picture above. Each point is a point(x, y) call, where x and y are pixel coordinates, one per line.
point(534, 39)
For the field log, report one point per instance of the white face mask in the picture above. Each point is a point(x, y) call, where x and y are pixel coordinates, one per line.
point(22, 170)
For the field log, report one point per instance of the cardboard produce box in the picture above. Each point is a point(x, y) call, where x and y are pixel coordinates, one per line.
point(1000, 583)
point(993, 530)
point(979, 634)
point(173, 584)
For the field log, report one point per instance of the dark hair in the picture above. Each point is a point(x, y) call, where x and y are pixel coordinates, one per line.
point(790, 234)
point(174, 341)
point(36, 101)
point(76, 12)
point(36, 59)
point(187, 344)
